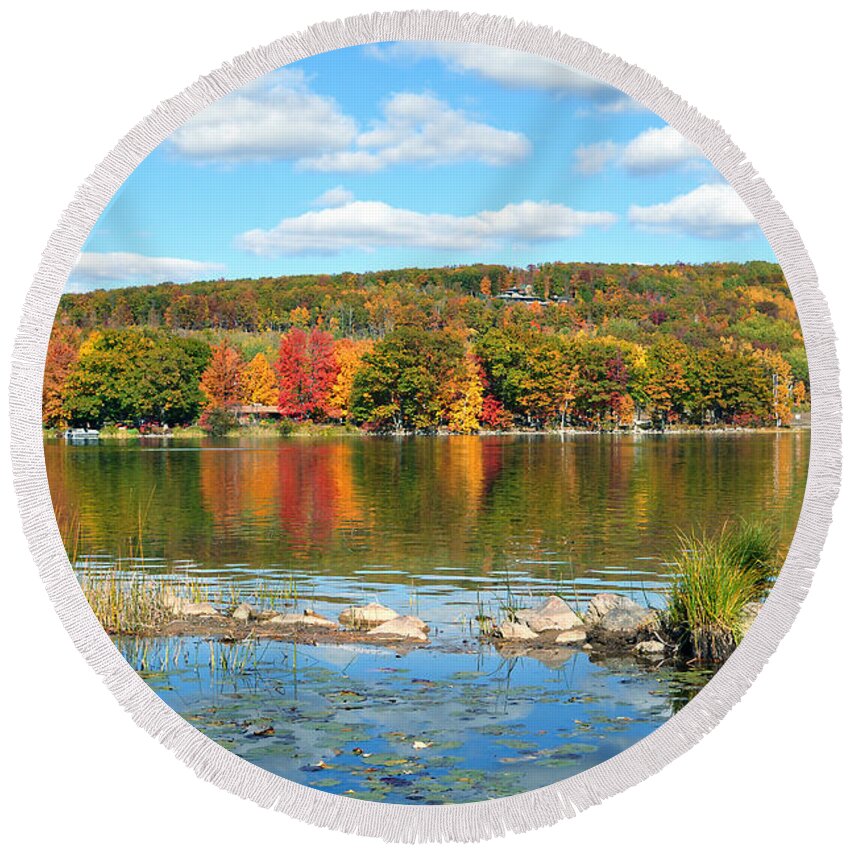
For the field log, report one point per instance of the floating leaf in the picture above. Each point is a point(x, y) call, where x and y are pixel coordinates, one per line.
point(259, 730)
point(385, 759)
point(314, 768)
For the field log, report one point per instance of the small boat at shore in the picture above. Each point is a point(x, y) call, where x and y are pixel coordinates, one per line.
point(82, 435)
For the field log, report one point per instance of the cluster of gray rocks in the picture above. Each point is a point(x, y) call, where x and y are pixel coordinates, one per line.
point(373, 620)
point(612, 624)
point(611, 620)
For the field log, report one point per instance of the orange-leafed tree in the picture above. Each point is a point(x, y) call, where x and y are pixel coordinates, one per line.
point(61, 357)
point(307, 368)
point(221, 381)
point(259, 382)
point(349, 355)
point(624, 410)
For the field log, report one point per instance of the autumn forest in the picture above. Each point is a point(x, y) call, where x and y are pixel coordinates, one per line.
point(457, 349)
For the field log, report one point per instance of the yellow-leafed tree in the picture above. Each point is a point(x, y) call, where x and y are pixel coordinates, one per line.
point(464, 397)
point(783, 384)
point(259, 382)
point(299, 316)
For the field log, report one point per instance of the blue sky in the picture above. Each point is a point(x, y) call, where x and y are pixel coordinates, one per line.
point(415, 154)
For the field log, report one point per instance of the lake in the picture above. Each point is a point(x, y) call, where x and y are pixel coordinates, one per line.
point(442, 527)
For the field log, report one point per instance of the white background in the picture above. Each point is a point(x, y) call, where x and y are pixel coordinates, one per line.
point(76, 77)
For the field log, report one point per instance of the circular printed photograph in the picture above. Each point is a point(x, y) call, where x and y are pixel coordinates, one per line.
point(426, 422)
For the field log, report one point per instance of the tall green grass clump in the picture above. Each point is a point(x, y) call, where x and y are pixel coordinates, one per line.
point(127, 605)
point(753, 548)
point(716, 579)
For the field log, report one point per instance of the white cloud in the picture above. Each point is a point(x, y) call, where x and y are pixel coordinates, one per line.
point(336, 197)
point(370, 225)
point(511, 68)
point(94, 270)
point(420, 128)
point(621, 106)
point(591, 159)
point(653, 151)
point(711, 211)
point(658, 149)
point(343, 162)
point(278, 117)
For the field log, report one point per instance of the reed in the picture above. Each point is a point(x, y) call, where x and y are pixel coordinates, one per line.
point(70, 531)
point(754, 547)
point(231, 658)
point(716, 579)
point(484, 619)
point(127, 605)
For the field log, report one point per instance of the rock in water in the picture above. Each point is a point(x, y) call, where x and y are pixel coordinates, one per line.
point(180, 607)
point(309, 619)
point(265, 616)
point(572, 636)
point(243, 613)
point(602, 603)
point(650, 647)
point(510, 630)
point(628, 621)
point(409, 628)
point(367, 616)
point(553, 614)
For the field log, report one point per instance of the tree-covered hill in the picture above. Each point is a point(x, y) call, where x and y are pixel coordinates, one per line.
point(579, 343)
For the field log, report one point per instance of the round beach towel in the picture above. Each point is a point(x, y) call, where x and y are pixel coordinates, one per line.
point(426, 411)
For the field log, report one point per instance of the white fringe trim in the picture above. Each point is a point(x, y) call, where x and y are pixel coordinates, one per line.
point(411, 823)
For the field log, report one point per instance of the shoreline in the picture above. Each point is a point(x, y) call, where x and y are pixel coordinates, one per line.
point(334, 432)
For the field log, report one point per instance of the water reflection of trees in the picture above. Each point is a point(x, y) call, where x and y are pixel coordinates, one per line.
point(475, 503)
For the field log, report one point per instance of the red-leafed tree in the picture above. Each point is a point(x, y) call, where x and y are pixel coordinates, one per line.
point(221, 382)
point(307, 367)
point(494, 415)
point(493, 412)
